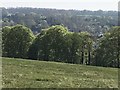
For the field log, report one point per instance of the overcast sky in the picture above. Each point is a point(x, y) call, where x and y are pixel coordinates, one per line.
point(63, 4)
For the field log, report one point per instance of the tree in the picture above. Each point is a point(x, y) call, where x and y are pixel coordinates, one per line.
point(5, 32)
point(115, 38)
point(33, 50)
point(50, 43)
point(86, 47)
point(108, 52)
point(75, 48)
point(56, 43)
point(16, 41)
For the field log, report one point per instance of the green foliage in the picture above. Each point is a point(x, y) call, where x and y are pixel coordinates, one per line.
point(16, 41)
point(50, 43)
point(33, 49)
point(93, 22)
point(5, 32)
point(75, 48)
point(108, 52)
point(56, 43)
point(87, 48)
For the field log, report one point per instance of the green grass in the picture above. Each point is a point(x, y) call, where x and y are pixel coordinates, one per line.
point(19, 73)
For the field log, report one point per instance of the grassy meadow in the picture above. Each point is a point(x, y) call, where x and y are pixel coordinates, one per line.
point(23, 73)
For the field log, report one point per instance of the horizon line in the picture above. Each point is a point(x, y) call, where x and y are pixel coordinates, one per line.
point(59, 8)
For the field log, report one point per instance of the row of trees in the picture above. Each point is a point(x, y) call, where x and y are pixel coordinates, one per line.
point(56, 43)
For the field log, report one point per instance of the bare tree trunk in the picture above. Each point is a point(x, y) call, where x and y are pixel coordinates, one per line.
point(89, 56)
point(118, 52)
point(82, 56)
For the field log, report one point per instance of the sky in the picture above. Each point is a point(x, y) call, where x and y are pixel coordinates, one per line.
point(94, 5)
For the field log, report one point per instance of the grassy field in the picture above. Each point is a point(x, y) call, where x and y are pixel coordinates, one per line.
point(19, 73)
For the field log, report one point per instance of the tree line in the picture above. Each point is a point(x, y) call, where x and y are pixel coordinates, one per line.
point(57, 43)
point(94, 22)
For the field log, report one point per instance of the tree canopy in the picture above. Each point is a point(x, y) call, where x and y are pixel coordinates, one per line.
point(16, 41)
point(57, 43)
point(108, 52)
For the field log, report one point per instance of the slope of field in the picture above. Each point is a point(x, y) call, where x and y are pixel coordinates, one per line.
point(19, 73)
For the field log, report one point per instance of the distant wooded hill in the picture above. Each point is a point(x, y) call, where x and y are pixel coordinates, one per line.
point(94, 22)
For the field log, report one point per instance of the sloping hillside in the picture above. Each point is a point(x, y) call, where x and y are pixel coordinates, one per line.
point(41, 74)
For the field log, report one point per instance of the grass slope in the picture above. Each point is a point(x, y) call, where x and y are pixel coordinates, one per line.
point(19, 73)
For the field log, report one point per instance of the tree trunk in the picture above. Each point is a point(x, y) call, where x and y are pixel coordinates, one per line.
point(82, 56)
point(118, 52)
point(89, 57)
